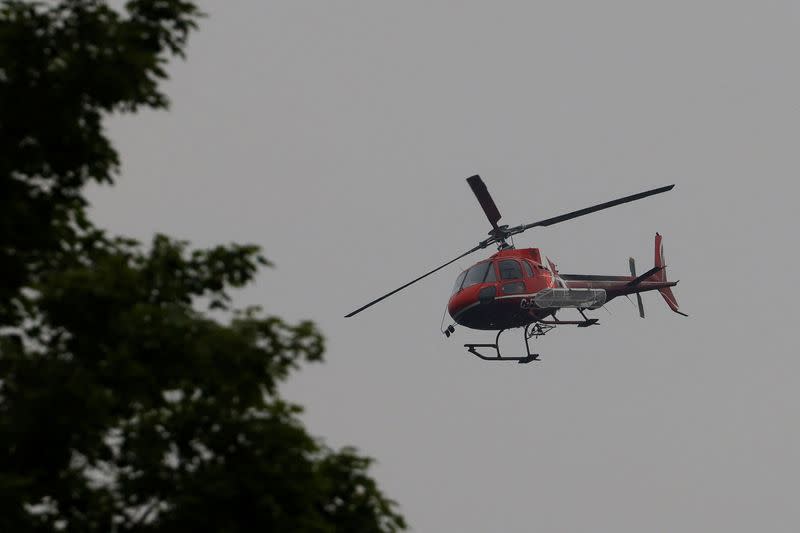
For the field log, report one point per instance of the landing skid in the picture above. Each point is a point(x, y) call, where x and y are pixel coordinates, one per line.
point(531, 331)
point(580, 323)
point(585, 323)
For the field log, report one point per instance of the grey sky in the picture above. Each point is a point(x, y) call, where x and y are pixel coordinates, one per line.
point(338, 136)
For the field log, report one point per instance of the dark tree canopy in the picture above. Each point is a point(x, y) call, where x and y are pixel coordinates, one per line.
point(124, 405)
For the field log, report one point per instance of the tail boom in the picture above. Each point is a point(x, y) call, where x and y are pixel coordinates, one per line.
point(654, 279)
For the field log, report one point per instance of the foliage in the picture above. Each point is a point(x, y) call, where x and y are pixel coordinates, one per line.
point(62, 67)
point(124, 403)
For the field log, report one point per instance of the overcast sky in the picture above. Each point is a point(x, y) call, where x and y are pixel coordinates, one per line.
point(337, 135)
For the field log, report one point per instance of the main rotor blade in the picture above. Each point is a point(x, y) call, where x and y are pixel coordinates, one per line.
point(485, 199)
point(598, 207)
point(373, 302)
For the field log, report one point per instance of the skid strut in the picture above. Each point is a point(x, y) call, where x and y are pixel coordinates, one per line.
point(531, 331)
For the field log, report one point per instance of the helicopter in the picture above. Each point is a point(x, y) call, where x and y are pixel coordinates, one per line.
point(514, 288)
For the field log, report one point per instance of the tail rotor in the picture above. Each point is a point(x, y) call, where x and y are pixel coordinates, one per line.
point(632, 264)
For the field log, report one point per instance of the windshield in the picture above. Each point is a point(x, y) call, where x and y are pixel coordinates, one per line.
point(476, 274)
point(459, 281)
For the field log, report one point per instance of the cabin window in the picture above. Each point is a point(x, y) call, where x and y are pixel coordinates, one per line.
point(459, 281)
point(528, 271)
point(476, 274)
point(515, 287)
point(510, 269)
point(491, 277)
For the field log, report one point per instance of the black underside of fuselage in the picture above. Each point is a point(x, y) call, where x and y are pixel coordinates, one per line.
point(499, 314)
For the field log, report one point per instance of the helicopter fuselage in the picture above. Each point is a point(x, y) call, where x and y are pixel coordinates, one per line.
point(513, 288)
point(501, 300)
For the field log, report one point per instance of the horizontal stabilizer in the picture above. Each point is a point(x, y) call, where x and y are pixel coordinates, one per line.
point(638, 279)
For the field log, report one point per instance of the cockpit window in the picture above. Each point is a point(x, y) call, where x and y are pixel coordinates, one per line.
point(509, 269)
point(459, 281)
point(476, 274)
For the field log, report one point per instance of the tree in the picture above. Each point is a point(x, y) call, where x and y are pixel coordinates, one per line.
point(123, 404)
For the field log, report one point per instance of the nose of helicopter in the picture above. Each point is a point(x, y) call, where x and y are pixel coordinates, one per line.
point(470, 297)
point(462, 300)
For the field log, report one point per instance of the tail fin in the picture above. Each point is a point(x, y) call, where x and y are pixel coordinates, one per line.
point(661, 275)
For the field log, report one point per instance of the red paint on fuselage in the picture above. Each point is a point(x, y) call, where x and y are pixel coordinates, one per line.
point(503, 310)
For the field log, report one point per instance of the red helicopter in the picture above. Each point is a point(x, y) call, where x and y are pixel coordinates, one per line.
point(515, 289)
